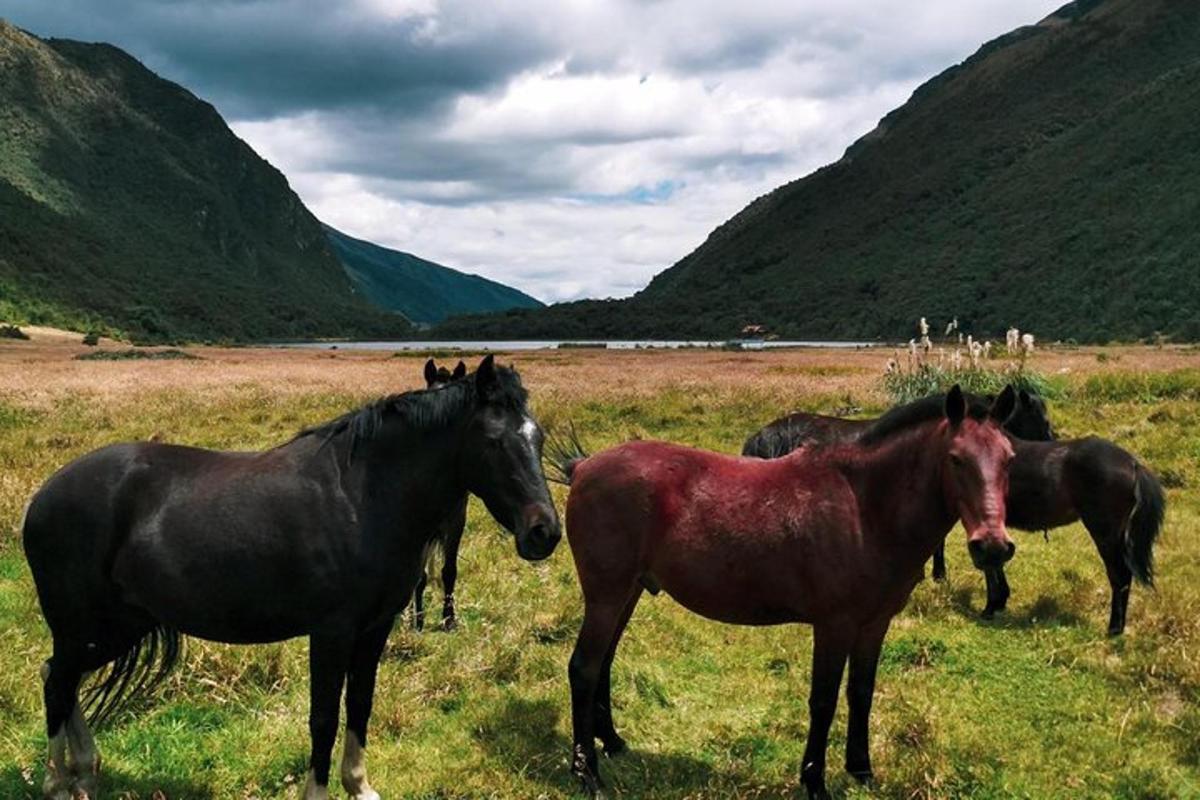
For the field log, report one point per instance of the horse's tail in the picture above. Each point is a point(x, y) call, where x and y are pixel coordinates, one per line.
point(563, 453)
point(1144, 524)
point(132, 674)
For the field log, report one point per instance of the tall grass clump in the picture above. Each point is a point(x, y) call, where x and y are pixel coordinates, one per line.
point(929, 369)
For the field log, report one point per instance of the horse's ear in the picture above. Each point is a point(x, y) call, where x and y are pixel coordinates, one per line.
point(956, 406)
point(1026, 399)
point(485, 376)
point(1005, 404)
point(460, 370)
point(430, 371)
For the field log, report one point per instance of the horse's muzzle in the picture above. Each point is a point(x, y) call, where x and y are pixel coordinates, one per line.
point(538, 533)
point(991, 551)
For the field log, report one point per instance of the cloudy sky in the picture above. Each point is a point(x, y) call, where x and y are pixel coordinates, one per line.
point(571, 148)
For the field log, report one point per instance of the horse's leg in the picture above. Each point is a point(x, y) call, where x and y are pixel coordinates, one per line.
point(939, 562)
point(831, 645)
point(997, 591)
point(1120, 577)
point(450, 571)
point(328, 661)
point(860, 689)
point(596, 637)
point(60, 684)
point(360, 691)
point(418, 620)
point(607, 733)
point(85, 759)
point(1002, 588)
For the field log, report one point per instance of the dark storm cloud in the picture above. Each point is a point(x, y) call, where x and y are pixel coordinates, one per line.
point(262, 59)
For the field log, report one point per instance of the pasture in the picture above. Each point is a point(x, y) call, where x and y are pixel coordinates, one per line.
point(1037, 703)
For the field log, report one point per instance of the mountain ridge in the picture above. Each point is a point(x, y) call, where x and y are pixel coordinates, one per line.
point(422, 290)
point(1014, 188)
point(129, 207)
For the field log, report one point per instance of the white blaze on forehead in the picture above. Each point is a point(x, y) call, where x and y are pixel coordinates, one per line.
point(529, 429)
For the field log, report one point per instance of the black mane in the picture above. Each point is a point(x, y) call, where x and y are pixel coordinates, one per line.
point(928, 408)
point(422, 409)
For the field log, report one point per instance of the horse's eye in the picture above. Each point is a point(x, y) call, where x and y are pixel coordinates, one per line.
point(957, 460)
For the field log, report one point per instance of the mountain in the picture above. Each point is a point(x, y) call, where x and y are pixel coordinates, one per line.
point(421, 290)
point(128, 206)
point(1050, 181)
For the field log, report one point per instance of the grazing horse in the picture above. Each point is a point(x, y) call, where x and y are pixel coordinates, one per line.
point(448, 535)
point(835, 538)
point(1120, 502)
point(135, 544)
point(1051, 484)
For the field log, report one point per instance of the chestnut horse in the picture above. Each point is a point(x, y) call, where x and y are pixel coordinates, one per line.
point(836, 539)
point(1028, 420)
point(1051, 484)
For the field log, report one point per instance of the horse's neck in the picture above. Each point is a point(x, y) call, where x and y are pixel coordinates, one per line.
point(410, 474)
point(901, 488)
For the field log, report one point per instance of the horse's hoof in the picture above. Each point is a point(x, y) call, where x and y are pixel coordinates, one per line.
point(614, 746)
point(988, 613)
point(817, 792)
point(449, 624)
point(864, 776)
point(940, 577)
point(1114, 631)
point(591, 784)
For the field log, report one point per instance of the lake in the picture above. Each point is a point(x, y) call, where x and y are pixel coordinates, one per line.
point(553, 344)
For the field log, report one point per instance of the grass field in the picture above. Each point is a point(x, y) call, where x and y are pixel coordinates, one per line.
point(1038, 703)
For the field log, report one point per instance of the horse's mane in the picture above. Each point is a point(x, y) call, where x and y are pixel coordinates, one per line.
point(422, 409)
point(902, 418)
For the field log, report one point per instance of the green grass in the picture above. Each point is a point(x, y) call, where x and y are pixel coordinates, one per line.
point(1037, 704)
point(133, 354)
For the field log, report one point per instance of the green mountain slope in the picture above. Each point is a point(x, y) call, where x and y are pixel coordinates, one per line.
point(420, 290)
point(1051, 181)
point(127, 205)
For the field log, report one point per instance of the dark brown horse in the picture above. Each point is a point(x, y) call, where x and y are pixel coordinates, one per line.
point(1051, 484)
point(448, 536)
point(836, 539)
point(135, 544)
point(1120, 502)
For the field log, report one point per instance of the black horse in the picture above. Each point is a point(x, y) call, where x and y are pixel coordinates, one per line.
point(1051, 484)
point(448, 535)
point(135, 544)
point(1120, 502)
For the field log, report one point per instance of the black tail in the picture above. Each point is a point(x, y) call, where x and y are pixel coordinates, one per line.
point(1144, 525)
point(132, 674)
point(563, 453)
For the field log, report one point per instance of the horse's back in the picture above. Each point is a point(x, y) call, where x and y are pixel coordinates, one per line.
point(798, 429)
point(736, 539)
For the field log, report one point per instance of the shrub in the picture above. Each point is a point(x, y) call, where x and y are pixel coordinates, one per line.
point(12, 332)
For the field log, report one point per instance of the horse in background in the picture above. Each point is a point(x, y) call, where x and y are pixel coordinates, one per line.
point(835, 538)
point(1051, 484)
point(448, 536)
point(136, 544)
point(1094, 481)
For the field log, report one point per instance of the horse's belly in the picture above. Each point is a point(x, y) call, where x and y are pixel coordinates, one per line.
point(740, 593)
